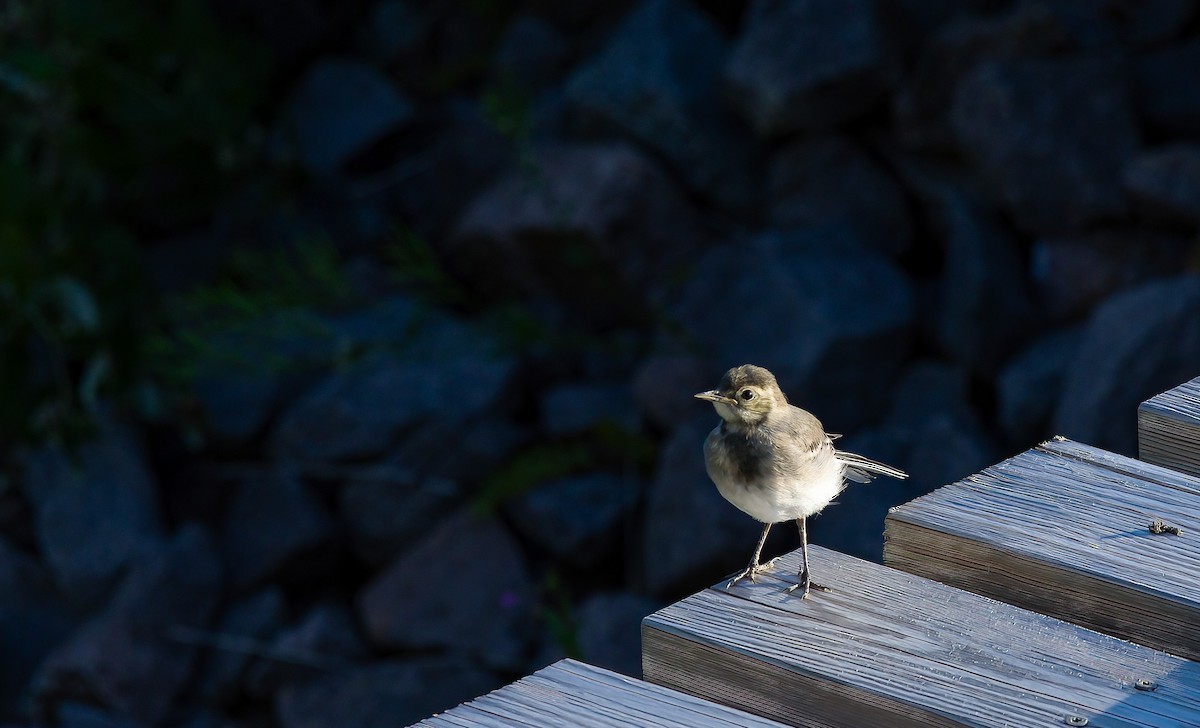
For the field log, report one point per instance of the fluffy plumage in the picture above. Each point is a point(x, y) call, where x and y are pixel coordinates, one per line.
point(773, 460)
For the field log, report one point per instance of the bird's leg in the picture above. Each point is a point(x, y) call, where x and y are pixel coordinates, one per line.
point(805, 581)
point(754, 567)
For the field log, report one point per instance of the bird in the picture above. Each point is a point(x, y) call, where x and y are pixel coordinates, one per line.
point(775, 462)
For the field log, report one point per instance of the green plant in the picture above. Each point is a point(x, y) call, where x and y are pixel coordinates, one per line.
point(121, 119)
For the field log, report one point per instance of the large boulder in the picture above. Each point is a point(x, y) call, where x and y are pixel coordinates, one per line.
point(1051, 135)
point(1137, 343)
point(804, 64)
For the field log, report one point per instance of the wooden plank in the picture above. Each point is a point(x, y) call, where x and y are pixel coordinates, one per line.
point(890, 648)
point(571, 693)
point(1169, 428)
point(1063, 529)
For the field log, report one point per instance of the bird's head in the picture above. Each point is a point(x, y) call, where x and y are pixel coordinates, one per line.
point(745, 395)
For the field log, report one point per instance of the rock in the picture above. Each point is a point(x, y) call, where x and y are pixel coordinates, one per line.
point(339, 108)
point(71, 714)
point(1137, 343)
point(663, 386)
point(1089, 24)
point(464, 587)
point(832, 322)
point(94, 510)
point(1051, 135)
point(656, 82)
point(803, 64)
point(361, 410)
point(532, 53)
point(273, 529)
point(985, 311)
point(440, 167)
point(1072, 273)
point(236, 408)
point(575, 519)
point(829, 181)
point(575, 409)
point(609, 630)
point(921, 104)
point(128, 659)
point(1029, 384)
point(1167, 89)
point(593, 227)
point(393, 29)
point(32, 620)
point(929, 387)
point(1165, 182)
point(254, 621)
point(682, 501)
point(386, 507)
point(383, 694)
point(324, 640)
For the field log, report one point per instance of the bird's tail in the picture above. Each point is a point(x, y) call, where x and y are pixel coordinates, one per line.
point(863, 470)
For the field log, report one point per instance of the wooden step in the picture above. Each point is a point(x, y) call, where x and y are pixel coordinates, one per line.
point(1065, 529)
point(887, 648)
point(1169, 428)
point(570, 693)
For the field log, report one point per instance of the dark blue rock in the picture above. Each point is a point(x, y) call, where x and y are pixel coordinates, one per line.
point(33, 620)
point(594, 227)
point(1137, 344)
point(656, 82)
point(576, 519)
point(324, 640)
point(1165, 183)
point(1167, 89)
point(1029, 386)
point(609, 630)
point(273, 527)
point(833, 323)
point(683, 502)
point(532, 54)
point(383, 694)
point(829, 181)
point(803, 64)
point(985, 310)
point(663, 386)
point(1074, 272)
point(339, 108)
point(94, 511)
point(463, 587)
point(574, 409)
point(1051, 136)
point(132, 657)
point(252, 621)
point(1089, 24)
point(387, 506)
point(363, 409)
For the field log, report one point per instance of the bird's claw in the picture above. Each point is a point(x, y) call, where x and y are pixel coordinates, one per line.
point(750, 572)
point(807, 584)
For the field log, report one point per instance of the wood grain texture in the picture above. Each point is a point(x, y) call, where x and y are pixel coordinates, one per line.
point(889, 648)
point(1063, 529)
point(571, 693)
point(1169, 428)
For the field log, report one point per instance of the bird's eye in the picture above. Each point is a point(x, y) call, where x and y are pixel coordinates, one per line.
point(747, 394)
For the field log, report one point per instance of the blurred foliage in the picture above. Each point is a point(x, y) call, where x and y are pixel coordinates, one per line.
point(259, 315)
point(121, 119)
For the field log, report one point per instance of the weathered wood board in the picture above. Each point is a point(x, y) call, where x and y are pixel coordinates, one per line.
point(887, 648)
point(1169, 428)
point(570, 693)
point(1064, 529)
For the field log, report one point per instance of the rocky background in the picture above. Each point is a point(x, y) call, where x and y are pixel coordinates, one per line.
point(350, 346)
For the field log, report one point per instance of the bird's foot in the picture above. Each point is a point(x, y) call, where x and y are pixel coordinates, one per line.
point(750, 572)
point(807, 584)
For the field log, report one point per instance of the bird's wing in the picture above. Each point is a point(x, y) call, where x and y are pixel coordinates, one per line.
point(863, 470)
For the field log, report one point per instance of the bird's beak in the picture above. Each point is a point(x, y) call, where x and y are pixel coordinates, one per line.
point(713, 395)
